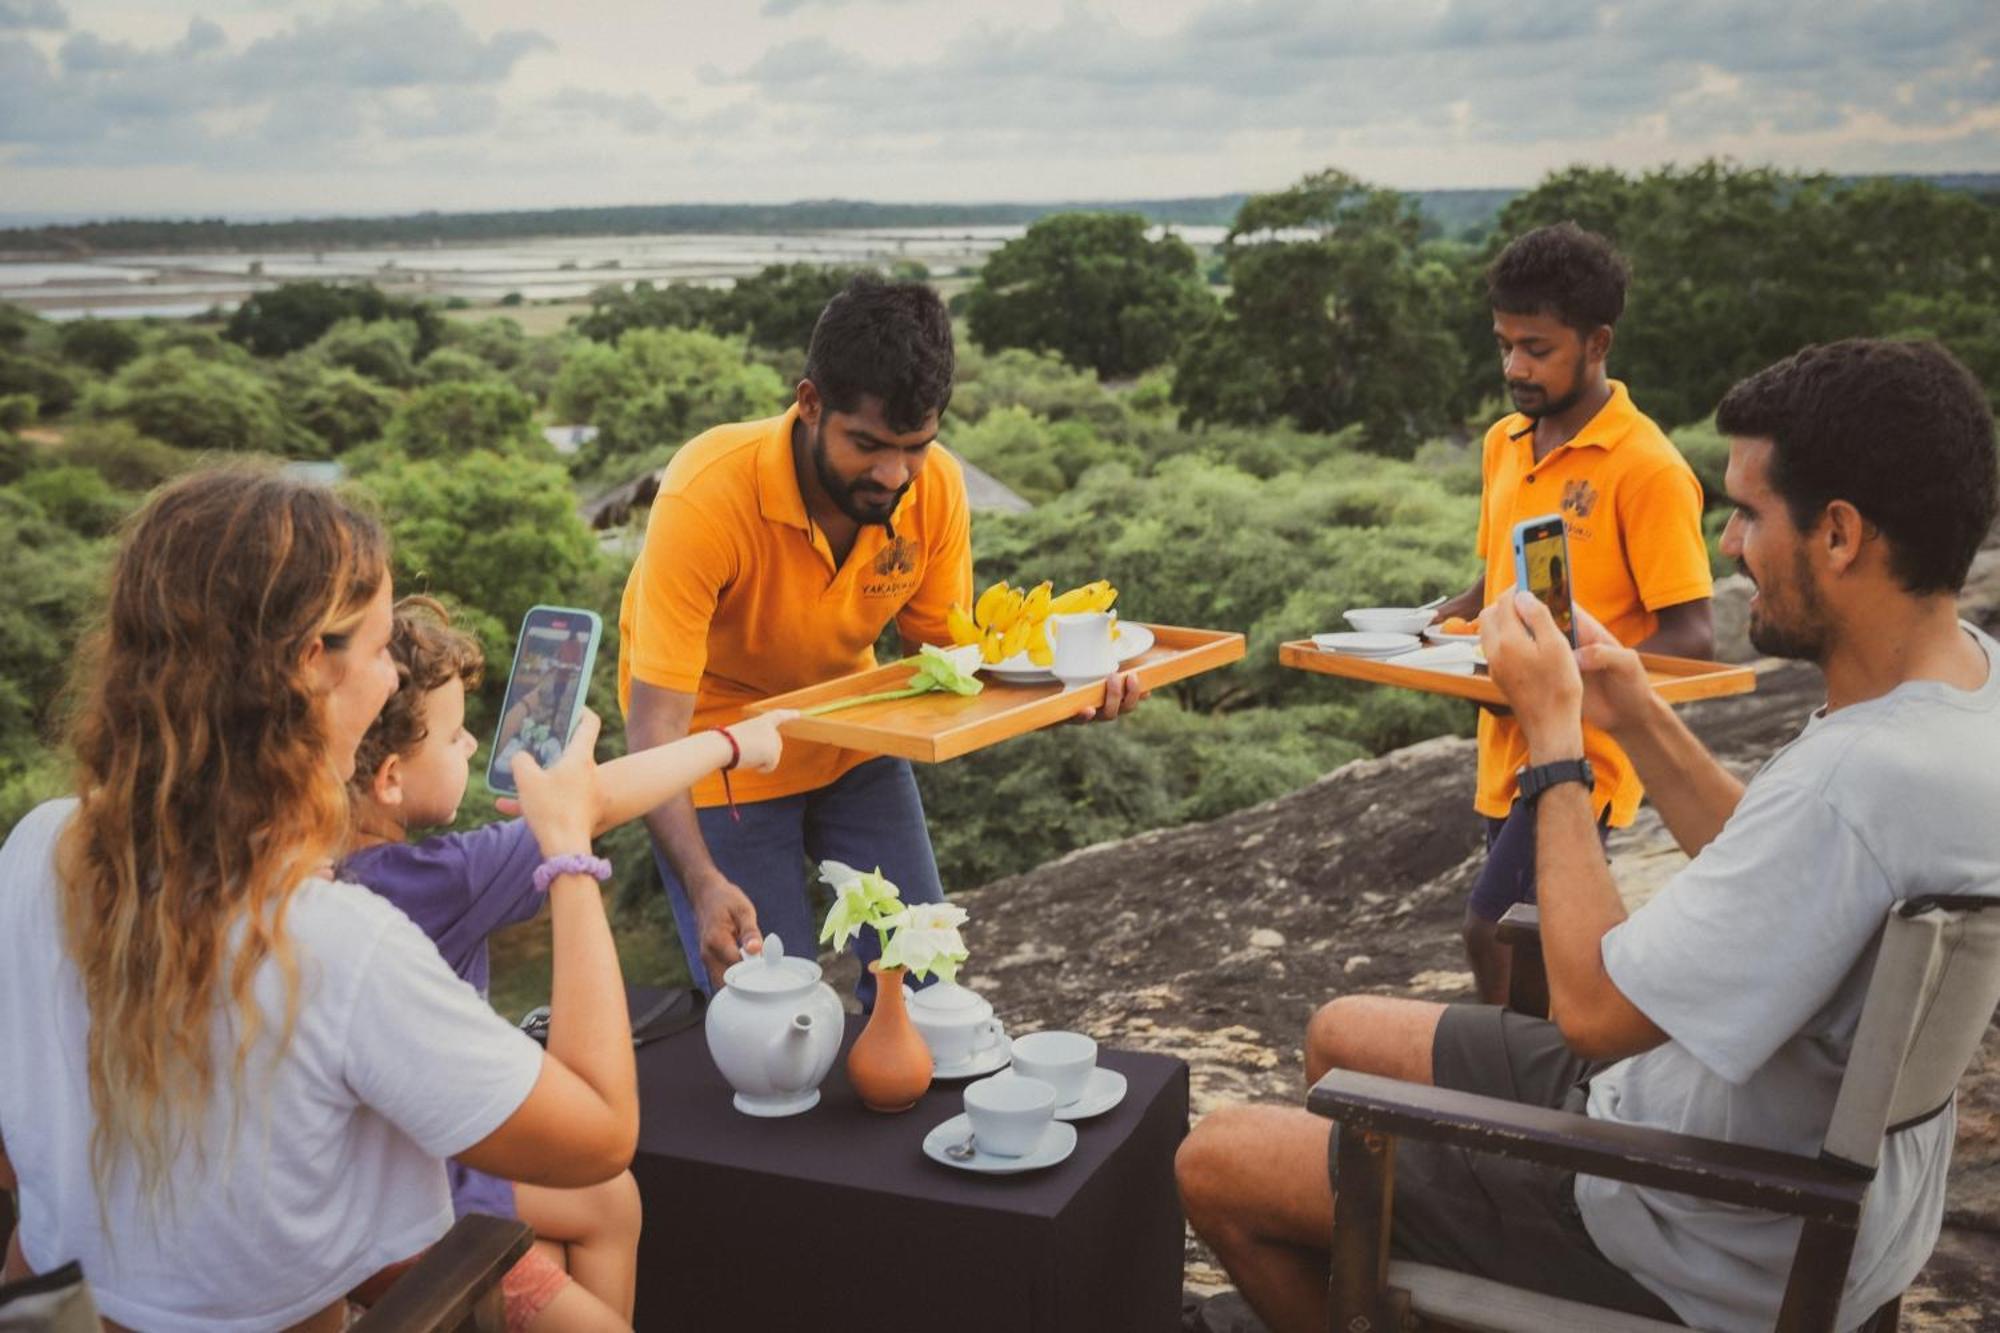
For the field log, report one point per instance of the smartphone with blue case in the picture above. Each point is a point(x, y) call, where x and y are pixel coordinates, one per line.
point(1541, 565)
point(546, 689)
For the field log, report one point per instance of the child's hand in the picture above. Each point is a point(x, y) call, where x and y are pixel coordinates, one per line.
point(758, 738)
point(561, 803)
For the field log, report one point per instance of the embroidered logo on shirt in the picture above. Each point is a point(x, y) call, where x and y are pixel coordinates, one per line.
point(898, 557)
point(1579, 497)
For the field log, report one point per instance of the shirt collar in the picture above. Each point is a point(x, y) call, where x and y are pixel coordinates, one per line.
point(778, 497)
point(1607, 430)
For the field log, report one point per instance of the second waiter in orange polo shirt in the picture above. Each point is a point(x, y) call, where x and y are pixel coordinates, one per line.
point(1631, 507)
point(775, 555)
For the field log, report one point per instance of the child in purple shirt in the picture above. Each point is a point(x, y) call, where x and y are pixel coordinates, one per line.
point(410, 774)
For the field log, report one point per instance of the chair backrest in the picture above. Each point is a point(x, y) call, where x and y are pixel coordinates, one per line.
point(1935, 986)
point(55, 1302)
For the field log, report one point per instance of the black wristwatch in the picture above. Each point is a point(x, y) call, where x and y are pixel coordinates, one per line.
point(1534, 779)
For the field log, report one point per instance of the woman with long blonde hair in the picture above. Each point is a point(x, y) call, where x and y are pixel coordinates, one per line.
point(227, 1083)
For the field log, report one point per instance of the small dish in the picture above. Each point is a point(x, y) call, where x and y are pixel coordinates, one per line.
point(1058, 1141)
point(1104, 1091)
point(1366, 645)
point(1458, 659)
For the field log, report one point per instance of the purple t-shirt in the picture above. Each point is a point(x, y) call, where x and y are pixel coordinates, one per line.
point(459, 888)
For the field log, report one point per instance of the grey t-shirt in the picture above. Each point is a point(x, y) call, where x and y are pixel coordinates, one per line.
point(1755, 961)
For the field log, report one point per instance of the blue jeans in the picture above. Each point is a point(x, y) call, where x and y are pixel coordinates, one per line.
point(870, 816)
point(1508, 877)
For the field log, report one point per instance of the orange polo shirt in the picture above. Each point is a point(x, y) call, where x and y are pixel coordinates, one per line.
point(736, 595)
point(1632, 508)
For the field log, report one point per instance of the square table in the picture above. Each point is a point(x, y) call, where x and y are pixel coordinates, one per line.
point(834, 1219)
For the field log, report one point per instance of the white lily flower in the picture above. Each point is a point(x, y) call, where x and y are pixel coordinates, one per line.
point(925, 939)
point(860, 899)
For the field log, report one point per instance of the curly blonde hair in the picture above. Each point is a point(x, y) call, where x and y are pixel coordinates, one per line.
point(206, 795)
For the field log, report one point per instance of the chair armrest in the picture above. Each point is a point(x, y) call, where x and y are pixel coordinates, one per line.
point(1706, 1168)
point(445, 1287)
point(1521, 924)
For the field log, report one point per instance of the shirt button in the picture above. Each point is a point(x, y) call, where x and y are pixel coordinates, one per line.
point(1531, 481)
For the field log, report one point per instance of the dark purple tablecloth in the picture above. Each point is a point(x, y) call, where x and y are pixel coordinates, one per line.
point(835, 1220)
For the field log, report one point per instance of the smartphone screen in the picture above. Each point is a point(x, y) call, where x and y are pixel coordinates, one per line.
point(1541, 555)
point(545, 689)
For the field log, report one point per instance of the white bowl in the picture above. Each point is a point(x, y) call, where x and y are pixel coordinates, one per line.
point(1390, 619)
point(1458, 659)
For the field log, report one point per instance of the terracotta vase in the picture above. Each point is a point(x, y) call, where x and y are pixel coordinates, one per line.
point(889, 1065)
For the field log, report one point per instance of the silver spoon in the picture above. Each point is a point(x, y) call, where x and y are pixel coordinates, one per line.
point(962, 1152)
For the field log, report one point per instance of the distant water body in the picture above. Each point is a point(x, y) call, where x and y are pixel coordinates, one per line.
point(550, 269)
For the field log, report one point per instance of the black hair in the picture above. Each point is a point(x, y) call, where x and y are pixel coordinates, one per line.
point(887, 340)
point(1898, 429)
point(1562, 271)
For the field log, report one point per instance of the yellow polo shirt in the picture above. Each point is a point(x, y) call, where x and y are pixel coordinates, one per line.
point(736, 595)
point(1632, 509)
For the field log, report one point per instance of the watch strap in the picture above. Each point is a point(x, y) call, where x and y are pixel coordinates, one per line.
point(1538, 778)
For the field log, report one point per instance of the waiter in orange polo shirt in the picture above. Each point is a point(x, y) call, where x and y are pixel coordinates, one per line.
point(1631, 506)
point(776, 554)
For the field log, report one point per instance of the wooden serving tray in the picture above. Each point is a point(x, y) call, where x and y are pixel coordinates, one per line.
point(931, 728)
point(1678, 680)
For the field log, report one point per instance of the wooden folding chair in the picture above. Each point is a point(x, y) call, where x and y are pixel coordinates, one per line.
point(1933, 993)
point(454, 1288)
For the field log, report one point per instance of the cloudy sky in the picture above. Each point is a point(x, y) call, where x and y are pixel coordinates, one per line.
point(286, 106)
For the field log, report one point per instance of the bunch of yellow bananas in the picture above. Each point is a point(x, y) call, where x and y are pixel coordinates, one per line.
point(1005, 621)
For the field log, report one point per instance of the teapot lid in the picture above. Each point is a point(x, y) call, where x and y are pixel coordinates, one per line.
point(947, 997)
point(770, 972)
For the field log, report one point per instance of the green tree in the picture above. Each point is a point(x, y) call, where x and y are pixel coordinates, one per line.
point(453, 363)
point(455, 418)
point(116, 451)
point(614, 309)
point(657, 389)
point(1334, 318)
point(177, 397)
point(383, 349)
point(51, 572)
point(339, 406)
point(101, 344)
point(494, 533)
point(1092, 287)
point(778, 307)
point(53, 385)
point(293, 317)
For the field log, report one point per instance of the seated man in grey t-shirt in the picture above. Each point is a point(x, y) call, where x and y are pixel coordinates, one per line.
point(1863, 476)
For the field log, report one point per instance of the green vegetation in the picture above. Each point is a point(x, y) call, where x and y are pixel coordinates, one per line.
point(1091, 287)
point(1306, 448)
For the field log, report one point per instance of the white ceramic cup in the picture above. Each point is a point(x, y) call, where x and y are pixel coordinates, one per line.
point(1009, 1113)
point(1083, 647)
point(956, 1044)
point(1063, 1060)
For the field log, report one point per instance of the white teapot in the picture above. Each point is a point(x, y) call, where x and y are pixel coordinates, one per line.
point(954, 1022)
point(774, 1029)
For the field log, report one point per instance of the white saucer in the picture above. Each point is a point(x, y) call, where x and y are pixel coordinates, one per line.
point(1132, 641)
point(1104, 1090)
point(1366, 645)
point(1058, 1141)
point(997, 1056)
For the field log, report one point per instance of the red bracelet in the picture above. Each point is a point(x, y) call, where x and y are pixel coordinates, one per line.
point(735, 758)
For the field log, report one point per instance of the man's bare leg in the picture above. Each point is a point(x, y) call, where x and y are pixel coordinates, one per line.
point(1373, 1034)
point(1254, 1178)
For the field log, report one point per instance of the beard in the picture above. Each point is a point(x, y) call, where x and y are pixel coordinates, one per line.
point(861, 501)
point(1538, 403)
point(1800, 631)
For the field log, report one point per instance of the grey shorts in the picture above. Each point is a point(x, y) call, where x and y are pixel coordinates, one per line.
point(1515, 1222)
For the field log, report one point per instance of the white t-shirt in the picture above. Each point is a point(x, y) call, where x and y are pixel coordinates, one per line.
point(1755, 961)
point(336, 1168)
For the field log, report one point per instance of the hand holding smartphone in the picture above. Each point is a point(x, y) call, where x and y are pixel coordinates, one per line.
point(1541, 565)
point(546, 689)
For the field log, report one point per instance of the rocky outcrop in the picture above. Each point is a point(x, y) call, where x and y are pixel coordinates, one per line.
point(1215, 942)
